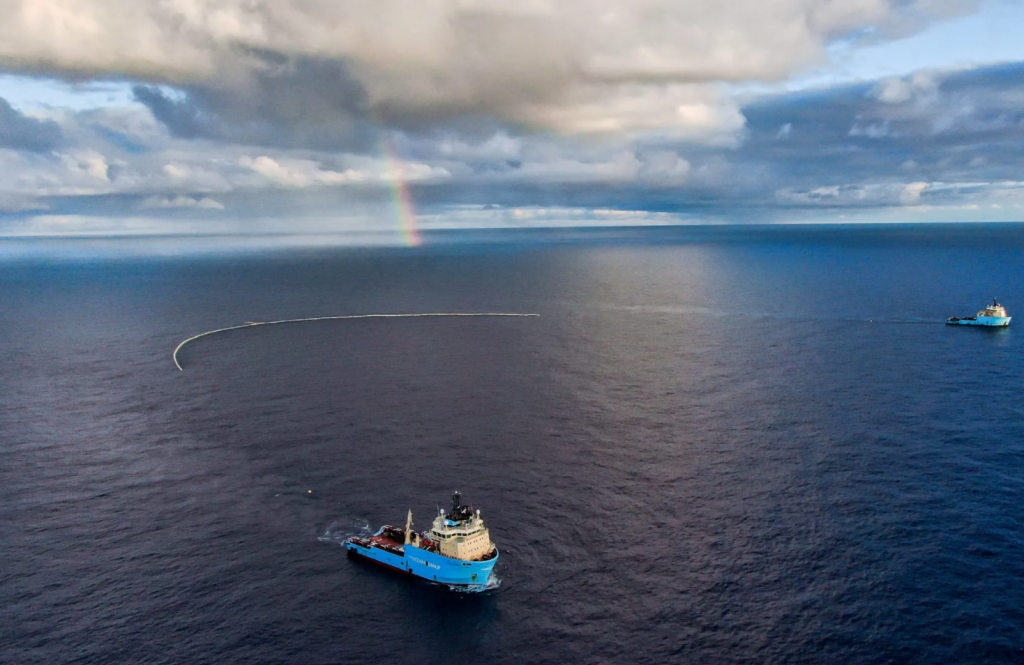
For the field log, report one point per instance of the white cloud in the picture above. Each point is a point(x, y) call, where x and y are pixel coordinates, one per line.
point(89, 163)
point(181, 201)
point(920, 86)
point(538, 216)
point(298, 172)
point(875, 130)
point(870, 194)
point(911, 193)
point(302, 173)
point(32, 176)
point(894, 91)
point(202, 173)
point(573, 65)
point(85, 225)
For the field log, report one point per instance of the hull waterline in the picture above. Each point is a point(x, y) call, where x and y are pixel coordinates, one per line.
point(986, 321)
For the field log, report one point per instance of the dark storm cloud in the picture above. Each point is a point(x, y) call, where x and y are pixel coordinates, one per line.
point(297, 102)
point(930, 126)
point(20, 132)
point(182, 116)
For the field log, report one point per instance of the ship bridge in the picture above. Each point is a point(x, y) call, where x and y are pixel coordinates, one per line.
point(461, 534)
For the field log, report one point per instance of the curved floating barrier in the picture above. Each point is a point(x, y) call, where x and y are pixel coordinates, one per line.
point(253, 324)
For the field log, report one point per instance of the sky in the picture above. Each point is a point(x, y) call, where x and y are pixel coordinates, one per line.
point(400, 116)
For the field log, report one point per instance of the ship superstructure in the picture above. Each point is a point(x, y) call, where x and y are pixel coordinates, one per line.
point(993, 315)
point(457, 549)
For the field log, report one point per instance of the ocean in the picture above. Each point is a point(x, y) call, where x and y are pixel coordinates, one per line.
point(719, 444)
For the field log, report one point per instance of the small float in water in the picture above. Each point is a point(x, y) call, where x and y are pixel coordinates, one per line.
point(994, 316)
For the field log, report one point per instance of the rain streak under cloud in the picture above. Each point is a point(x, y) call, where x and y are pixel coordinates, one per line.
point(254, 116)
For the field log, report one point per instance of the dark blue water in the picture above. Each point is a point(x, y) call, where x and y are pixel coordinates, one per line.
point(728, 446)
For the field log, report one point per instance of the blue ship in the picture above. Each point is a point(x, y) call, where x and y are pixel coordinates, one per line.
point(457, 550)
point(994, 315)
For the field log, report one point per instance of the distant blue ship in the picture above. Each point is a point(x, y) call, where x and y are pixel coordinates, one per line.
point(993, 315)
point(457, 550)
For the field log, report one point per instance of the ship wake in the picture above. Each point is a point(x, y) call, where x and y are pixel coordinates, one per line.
point(493, 583)
point(339, 531)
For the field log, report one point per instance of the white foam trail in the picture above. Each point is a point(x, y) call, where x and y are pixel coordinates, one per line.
point(252, 324)
point(492, 583)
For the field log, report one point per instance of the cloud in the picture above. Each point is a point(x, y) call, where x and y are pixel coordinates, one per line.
point(664, 169)
point(182, 117)
point(14, 203)
point(88, 164)
point(292, 101)
point(89, 225)
point(930, 142)
point(911, 193)
point(303, 173)
point(21, 132)
point(308, 70)
point(875, 130)
point(202, 173)
point(181, 201)
point(298, 173)
point(545, 216)
point(937, 126)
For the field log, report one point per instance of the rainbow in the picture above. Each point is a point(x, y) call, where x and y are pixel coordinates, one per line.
point(405, 210)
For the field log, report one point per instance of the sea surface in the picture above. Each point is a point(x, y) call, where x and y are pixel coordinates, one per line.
point(717, 445)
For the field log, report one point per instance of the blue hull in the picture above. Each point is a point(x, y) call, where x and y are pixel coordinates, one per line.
point(990, 321)
point(428, 565)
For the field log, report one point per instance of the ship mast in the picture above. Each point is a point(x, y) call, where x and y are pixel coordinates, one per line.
point(408, 528)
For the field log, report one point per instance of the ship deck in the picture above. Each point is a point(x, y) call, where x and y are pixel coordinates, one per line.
point(387, 542)
point(392, 539)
